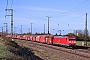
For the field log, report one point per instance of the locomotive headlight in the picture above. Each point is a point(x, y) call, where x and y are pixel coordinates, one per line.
point(69, 41)
point(74, 41)
point(50, 41)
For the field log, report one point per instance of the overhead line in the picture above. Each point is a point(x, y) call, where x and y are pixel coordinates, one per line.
point(78, 17)
point(28, 15)
point(69, 11)
point(44, 19)
point(81, 7)
point(73, 19)
point(78, 5)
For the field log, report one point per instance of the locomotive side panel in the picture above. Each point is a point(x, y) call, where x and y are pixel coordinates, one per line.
point(64, 40)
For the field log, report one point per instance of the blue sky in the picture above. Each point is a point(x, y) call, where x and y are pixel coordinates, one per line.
point(67, 15)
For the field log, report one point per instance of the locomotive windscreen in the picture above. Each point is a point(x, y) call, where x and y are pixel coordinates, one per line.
point(71, 38)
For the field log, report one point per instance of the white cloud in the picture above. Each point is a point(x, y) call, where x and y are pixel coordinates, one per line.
point(28, 21)
point(41, 9)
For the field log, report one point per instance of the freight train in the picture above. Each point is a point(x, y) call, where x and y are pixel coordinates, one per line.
point(48, 39)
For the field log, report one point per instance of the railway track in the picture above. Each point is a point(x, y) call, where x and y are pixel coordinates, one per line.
point(75, 52)
point(70, 51)
point(83, 50)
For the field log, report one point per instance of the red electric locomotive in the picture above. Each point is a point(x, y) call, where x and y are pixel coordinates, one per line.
point(65, 40)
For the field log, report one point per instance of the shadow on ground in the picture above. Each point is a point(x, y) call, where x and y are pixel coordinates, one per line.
point(74, 47)
point(81, 47)
point(24, 54)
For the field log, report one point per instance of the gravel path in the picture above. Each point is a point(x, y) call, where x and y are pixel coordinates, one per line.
point(48, 53)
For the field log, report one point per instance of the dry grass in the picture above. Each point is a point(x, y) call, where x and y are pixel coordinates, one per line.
point(4, 53)
point(81, 43)
point(3, 50)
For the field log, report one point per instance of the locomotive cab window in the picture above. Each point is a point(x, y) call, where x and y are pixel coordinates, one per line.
point(71, 38)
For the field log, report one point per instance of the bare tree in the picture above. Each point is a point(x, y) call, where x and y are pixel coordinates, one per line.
point(81, 34)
